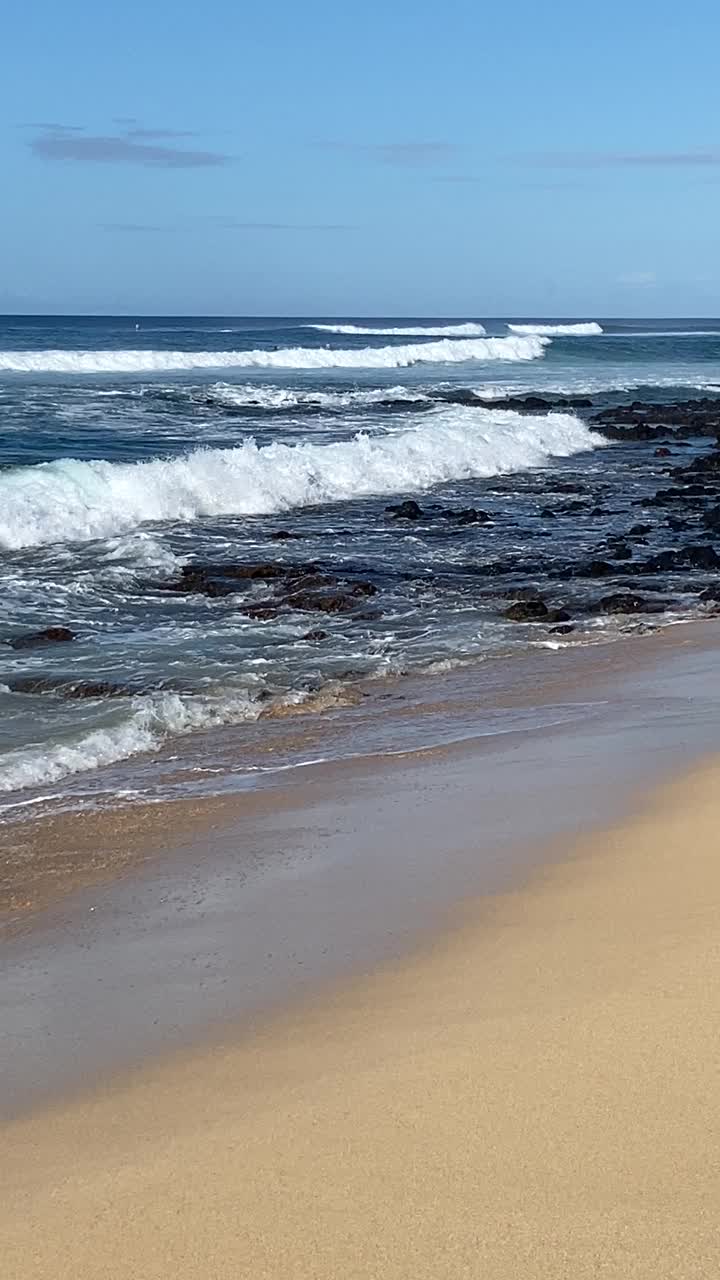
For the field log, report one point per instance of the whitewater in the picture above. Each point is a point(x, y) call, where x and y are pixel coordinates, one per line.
point(590, 329)
point(135, 447)
point(467, 330)
point(445, 351)
point(75, 501)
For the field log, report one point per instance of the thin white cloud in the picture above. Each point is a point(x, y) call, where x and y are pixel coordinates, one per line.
point(638, 279)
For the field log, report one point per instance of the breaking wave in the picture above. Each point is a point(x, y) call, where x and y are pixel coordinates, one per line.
point(248, 396)
point(467, 330)
point(589, 330)
point(448, 350)
point(69, 500)
point(152, 719)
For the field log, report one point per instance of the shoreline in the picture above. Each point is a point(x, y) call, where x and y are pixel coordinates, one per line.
point(532, 1093)
point(344, 870)
point(47, 857)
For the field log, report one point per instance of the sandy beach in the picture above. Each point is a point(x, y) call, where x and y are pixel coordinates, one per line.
point(534, 1094)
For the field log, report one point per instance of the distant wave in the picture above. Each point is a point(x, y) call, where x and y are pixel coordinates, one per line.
point(467, 330)
point(447, 351)
point(69, 500)
point(588, 330)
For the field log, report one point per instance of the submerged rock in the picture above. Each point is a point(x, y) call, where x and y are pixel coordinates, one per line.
point(620, 551)
point(624, 602)
point(534, 610)
point(596, 569)
point(66, 687)
point(711, 519)
point(405, 511)
point(50, 635)
point(695, 556)
point(468, 515)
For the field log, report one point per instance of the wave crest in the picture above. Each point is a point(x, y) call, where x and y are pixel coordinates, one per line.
point(587, 330)
point(151, 720)
point(445, 351)
point(70, 500)
point(466, 330)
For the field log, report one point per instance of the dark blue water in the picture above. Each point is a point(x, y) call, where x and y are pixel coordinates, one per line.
point(132, 448)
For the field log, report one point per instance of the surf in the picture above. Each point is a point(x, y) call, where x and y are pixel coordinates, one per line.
point(444, 351)
point(73, 501)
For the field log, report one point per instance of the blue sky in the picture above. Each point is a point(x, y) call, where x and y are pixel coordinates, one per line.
point(459, 159)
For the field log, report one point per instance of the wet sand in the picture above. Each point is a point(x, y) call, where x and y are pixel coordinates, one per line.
point(535, 1095)
point(343, 868)
point(52, 848)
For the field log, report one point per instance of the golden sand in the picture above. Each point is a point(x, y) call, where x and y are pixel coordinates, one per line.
point(537, 1095)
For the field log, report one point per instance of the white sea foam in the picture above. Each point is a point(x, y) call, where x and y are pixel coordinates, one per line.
point(468, 330)
point(588, 330)
point(685, 378)
point(447, 350)
point(247, 395)
point(69, 500)
point(151, 720)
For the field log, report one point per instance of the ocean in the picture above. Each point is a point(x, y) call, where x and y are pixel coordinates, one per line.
point(203, 507)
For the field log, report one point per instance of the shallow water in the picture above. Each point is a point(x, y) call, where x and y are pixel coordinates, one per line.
point(130, 452)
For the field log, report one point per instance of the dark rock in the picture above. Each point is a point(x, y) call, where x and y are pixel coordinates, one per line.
point(566, 486)
point(557, 615)
point(709, 464)
point(218, 580)
point(677, 524)
point(641, 421)
point(50, 635)
point(595, 569)
point(470, 515)
point(405, 511)
point(623, 602)
point(261, 612)
point(284, 535)
point(527, 611)
point(69, 688)
point(662, 452)
point(322, 601)
point(638, 530)
point(564, 630)
point(264, 572)
point(547, 513)
point(692, 557)
point(620, 551)
point(520, 404)
point(315, 635)
point(700, 557)
point(711, 519)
